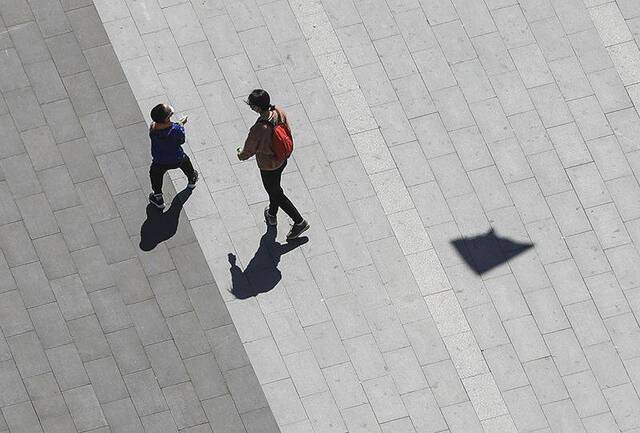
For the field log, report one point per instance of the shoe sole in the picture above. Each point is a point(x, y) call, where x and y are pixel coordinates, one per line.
point(298, 235)
point(158, 206)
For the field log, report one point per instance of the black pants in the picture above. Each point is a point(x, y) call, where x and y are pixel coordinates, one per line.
point(157, 171)
point(271, 181)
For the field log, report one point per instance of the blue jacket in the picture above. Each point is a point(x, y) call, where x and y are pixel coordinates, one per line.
point(166, 144)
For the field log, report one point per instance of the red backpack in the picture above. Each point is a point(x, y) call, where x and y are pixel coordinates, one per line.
point(281, 141)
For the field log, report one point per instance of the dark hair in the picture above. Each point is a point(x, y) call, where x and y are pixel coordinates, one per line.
point(160, 112)
point(260, 98)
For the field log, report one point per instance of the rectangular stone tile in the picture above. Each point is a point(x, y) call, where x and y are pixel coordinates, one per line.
point(568, 213)
point(323, 413)
point(545, 380)
point(562, 414)
point(526, 338)
point(426, 341)
point(585, 394)
point(600, 423)
point(423, 412)
point(625, 405)
point(384, 398)
point(607, 225)
point(609, 90)
point(106, 380)
point(360, 418)
point(622, 259)
point(589, 117)
point(224, 412)
point(326, 344)
point(41, 148)
point(608, 157)
point(413, 96)
point(530, 132)
point(245, 389)
point(365, 356)
point(84, 408)
point(434, 69)
point(347, 241)
point(269, 366)
point(89, 338)
point(121, 415)
point(624, 332)
point(71, 297)
point(588, 253)
point(607, 295)
point(550, 104)
point(149, 322)
point(145, 392)
point(625, 192)
point(188, 335)
point(462, 418)
point(67, 366)
point(28, 354)
point(624, 56)
point(37, 215)
point(586, 323)
point(32, 283)
point(128, 351)
point(465, 354)
point(454, 41)
point(284, 403)
point(12, 385)
point(20, 175)
point(110, 309)
point(50, 326)
point(166, 363)
point(551, 36)
point(16, 12)
point(485, 323)
point(306, 374)
point(625, 125)
point(549, 241)
point(525, 409)
point(21, 418)
point(206, 376)
point(505, 366)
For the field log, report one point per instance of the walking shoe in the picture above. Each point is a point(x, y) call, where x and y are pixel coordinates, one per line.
point(156, 200)
point(271, 220)
point(193, 180)
point(297, 230)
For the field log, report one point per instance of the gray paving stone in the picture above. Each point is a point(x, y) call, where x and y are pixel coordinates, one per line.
point(549, 242)
point(563, 415)
point(84, 407)
point(551, 107)
point(434, 69)
point(546, 381)
point(122, 416)
point(603, 422)
point(32, 284)
point(149, 322)
point(184, 405)
point(462, 418)
point(588, 253)
point(525, 409)
point(24, 108)
point(624, 124)
point(128, 351)
point(14, 315)
point(245, 389)
point(384, 398)
point(551, 36)
point(163, 422)
point(28, 354)
point(585, 321)
point(624, 404)
point(16, 12)
point(67, 367)
point(426, 341)
point(145, 393)
point(625, 191)
point(89, 338)
point(50, 326)
point(269, 366)
point(224, 412)
point(106, 380)
point(12, 74)
point(71, 297)
point(14, 390)
point(111, 311)
point(585, 394)
point(93, 269)
point(167, 365)
point(22, 417)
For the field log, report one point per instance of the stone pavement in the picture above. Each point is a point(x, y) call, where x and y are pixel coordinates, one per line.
point(96, 334)
point(417, 122)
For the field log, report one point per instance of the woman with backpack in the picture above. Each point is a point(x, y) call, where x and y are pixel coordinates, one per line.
point(271, 142)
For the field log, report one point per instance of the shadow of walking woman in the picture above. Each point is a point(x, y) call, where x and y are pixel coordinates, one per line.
point(261, 273)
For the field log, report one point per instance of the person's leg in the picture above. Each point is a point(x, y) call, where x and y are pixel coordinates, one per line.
point(270, 183)
point(156, 173)
point(187, 168)
point(282, 200)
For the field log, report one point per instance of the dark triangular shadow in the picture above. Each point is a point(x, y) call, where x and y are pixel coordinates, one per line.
point(261, 273)
point(160, 226)
point(484, 252)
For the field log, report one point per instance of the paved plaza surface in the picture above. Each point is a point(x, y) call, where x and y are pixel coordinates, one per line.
point(469, 169)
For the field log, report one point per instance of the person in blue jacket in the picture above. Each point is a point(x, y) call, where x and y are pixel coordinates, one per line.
point(167, 138)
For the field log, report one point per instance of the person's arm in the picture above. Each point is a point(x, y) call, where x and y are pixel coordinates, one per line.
point(178, 132)
point(252, 142)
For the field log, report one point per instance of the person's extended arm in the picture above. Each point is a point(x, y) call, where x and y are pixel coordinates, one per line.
point(251, 143)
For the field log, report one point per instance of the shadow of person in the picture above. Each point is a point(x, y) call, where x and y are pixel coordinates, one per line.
point(488, 250)
point(160, 226)
point(261, 273)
